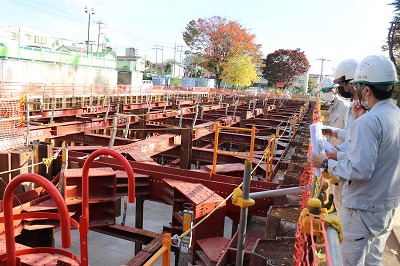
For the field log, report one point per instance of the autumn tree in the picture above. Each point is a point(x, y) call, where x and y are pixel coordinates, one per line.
point(239, 71)
point(284, 65)
point(216, 40)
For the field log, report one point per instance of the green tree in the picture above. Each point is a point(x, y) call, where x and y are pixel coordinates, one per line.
point(191, 65)
point(284, 65)
point(311, 85)
point(177, 82)
point(168, 67)
point(215, 40)
point(239, 71)
point(149, 66)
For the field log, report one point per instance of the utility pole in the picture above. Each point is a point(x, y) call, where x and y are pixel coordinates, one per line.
point(100, 23)
point(173, 66)
point(180, 57)
point(322, 59)
point(162, 58)
point(156, 57)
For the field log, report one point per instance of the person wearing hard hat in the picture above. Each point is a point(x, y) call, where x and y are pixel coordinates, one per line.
point(343, 75)
point(371, 172)
point(338, 106)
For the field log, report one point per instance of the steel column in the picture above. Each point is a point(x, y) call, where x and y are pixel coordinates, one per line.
point(186, 148)
point(139, 220)
point(243, 214)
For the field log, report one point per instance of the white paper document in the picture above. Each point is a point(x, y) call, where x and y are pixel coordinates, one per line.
point(317, 142)
point(328, 147)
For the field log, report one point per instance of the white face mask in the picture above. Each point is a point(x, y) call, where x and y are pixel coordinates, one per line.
point(328, 96)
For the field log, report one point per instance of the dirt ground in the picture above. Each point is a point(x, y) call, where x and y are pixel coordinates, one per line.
point(389, 258)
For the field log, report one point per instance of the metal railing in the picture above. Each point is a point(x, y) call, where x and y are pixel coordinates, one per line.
point(249, 155)
point(164, 251)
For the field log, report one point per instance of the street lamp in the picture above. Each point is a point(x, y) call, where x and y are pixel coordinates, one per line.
point(89, 12)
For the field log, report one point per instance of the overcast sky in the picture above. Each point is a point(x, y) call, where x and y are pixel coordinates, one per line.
point(331, 29)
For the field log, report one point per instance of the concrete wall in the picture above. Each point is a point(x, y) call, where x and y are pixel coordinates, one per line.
point(36, 72)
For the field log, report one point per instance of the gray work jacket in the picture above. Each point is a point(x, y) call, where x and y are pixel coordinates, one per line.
point(371, 171)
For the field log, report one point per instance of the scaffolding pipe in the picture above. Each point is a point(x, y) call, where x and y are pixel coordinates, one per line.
point(195, 116)
point(114, 132)
point(107, 111)
point(243, 214)
point(201, 112)
point(126, 131)
point(279, 192)
point(165, 106)
point(334, 246)
point(234, 111)
point(28, 127)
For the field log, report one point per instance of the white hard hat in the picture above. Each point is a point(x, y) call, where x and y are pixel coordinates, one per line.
point(376, 70)
point(327, 83)
point(345, 70)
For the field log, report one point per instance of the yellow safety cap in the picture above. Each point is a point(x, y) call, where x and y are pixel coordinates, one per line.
point(334, 221)
point(314, 203)
point(242, 203)
point(237, 192)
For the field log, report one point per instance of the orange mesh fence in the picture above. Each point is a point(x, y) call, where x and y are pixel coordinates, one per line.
point(311, 245)
point(12, 131)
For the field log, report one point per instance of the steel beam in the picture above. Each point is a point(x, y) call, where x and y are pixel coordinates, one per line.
point(221, 184)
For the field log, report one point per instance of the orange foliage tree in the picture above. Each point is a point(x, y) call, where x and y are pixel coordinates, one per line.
point(284, 65)
point(216, 40)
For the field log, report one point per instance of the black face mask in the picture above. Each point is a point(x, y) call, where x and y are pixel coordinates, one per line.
point(343, 93)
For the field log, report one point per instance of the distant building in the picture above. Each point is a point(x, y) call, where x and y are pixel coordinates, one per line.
point(31, 56)
point(26, 36)
point(301, 82)
point(130, 68)
point(177, 71)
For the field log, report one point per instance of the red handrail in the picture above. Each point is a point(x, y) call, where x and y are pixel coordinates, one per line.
point(9, 217)
point(84, 219)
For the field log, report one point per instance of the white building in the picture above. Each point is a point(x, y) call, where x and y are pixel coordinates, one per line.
point(26, 36)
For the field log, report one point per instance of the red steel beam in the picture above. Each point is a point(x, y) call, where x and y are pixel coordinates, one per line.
point(221, 184)
point(97, 139)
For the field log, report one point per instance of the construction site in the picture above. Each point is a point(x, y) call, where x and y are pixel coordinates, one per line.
point(73, 158)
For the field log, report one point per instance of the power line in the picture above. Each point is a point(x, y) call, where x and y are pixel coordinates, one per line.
point(322, 59)
point(42, 7)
